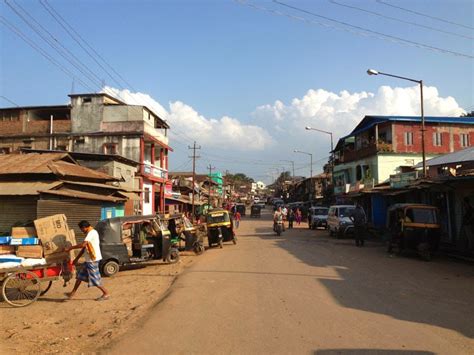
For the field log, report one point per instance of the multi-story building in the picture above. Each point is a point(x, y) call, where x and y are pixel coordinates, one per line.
point(380, 146)
point(96, 123)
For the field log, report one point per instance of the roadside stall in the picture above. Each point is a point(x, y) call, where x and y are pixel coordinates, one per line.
point(32, 258)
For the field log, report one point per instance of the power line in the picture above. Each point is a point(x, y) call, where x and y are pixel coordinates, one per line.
point(424, 15)
point(399, 20)
point(45, 54)
point(357, 30)
point(82, 43)
point(10, 101)
point(55, 44)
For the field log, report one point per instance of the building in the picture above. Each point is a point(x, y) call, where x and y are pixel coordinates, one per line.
point(96, 124)
point(38, 185)
point(380, 146)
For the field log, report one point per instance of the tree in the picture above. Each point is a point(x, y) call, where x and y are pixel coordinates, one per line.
point(468, 114)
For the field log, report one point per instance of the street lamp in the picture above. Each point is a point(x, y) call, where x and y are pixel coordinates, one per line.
point(311, 171)
point(308, 128)
point(420, 82)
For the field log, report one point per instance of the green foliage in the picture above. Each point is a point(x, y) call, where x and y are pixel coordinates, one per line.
point(468, 114)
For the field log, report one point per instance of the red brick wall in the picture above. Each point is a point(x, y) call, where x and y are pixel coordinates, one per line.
point(448, 132)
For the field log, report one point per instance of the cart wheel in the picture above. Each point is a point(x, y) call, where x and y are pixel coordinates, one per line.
point(173, 256)
point(21, 288)
point(44, 290)
point(234, 240)
point(110, 268)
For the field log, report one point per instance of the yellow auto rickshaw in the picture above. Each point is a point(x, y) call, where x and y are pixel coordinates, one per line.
point(219, 227)
point(414, 226)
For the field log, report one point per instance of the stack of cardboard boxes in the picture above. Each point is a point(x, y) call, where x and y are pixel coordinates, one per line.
point(47, 239)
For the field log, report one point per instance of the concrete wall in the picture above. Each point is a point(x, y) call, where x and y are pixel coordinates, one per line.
point(128, 147)
point(115, 169)
point(86, 116)
point(388, 163)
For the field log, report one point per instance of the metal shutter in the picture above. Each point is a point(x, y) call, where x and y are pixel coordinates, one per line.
point(75, 211)
point(16, 209)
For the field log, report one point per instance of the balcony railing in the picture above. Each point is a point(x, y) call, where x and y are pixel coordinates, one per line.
point(156, 171)
point(365, 151)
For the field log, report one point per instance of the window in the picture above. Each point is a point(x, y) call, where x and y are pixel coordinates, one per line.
point(437, 139)
point(408, 138)
point(464, 138)
point(147, 195)
point(10, 116)
point(110, 148)
point(86, 100)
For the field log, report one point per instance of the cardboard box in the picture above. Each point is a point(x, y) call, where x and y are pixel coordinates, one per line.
point(24, 241)
point(7, 249)
point(5, 240)
point(30, 251)
point(58, 257)
point(54, 234)
point(24, 232)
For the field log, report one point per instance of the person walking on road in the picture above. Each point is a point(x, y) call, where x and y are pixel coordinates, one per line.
point(359, 219)
point(298, 216)
point(291, 218)
point(237, 218)
point(89, 273)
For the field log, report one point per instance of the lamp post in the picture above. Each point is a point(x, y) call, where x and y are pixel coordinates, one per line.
point(420, 82)
point(332, 146)
point(311, 171)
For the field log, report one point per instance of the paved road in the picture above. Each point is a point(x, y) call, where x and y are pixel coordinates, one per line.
point(304, 292)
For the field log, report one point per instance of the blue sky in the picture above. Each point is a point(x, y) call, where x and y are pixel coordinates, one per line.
point(225, 59)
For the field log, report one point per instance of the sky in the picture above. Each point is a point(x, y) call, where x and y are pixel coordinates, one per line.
point(243, 78)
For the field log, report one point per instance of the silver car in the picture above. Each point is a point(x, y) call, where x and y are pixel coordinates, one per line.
point(339, 223)
point(317, 217)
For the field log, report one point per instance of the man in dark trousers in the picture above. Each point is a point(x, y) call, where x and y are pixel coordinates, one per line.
point(358, 218)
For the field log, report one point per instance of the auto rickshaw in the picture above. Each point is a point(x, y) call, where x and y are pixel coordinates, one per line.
point(134, 239)
point(414, 226)
point(240, 207)
point(255, 211)
point(181, 228)
point(219, 227)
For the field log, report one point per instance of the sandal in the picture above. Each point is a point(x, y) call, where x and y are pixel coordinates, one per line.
point(103, 298)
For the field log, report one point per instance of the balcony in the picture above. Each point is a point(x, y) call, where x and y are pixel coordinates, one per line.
point(365, 151)
point(155, 171)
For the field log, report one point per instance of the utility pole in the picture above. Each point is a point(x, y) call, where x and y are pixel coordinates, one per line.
point(194, 156)
point(210, 167)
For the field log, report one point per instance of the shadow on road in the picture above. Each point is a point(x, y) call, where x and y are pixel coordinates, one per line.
point(371, 352)
point(437, 293)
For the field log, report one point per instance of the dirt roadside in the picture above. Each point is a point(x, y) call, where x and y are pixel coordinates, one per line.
point(51, 325)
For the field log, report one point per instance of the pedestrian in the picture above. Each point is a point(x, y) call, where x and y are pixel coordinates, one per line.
point(237, 218)
point(291, 218)
point(89, 273)
point(357, 215)
point(298, 216)
point(284, 212)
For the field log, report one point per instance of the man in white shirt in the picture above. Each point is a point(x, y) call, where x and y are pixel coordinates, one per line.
point(89, 273)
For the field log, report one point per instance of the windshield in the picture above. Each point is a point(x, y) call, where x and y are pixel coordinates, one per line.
point(218, 217)
point(345, 211)
point(421, 215)
point(320, 211)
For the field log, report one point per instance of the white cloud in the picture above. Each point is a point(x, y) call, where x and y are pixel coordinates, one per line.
point(185, 121)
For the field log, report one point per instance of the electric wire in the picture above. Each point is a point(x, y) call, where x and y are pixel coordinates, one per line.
point(424, 15)
point(357, 30)
point(10, 101)
point(45, 54)
point(398, 19)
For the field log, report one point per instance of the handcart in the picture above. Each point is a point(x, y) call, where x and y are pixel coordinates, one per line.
point(23, 285)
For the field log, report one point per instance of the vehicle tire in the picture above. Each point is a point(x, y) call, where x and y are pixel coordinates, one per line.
point(173, 256)
point(21, 288)
point(44, 290)
point(110, 268)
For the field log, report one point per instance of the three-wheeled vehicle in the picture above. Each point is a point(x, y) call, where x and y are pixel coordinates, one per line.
point(240, 207)
point(219, 227)
point(255, 211)
point(134, 239)
point(414, 226)
point(181, 228)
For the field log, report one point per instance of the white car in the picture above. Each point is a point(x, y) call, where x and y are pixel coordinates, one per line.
point(339, 223)
point(317, 217)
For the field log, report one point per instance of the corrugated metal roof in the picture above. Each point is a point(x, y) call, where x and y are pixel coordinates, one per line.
point(66, 169)
point(460, 156)
point(30, 163)
point(18, 188)
point(84, 195)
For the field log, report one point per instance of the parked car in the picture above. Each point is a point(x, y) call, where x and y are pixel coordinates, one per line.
point(318, 217)
point(338, 220)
